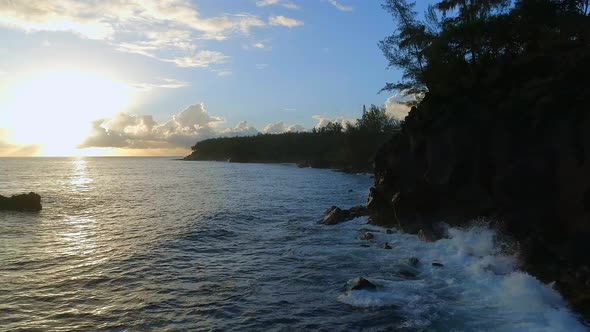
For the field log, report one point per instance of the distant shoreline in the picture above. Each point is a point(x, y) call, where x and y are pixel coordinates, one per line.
point(304, 164)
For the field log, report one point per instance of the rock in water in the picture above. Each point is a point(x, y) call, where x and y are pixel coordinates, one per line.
point(361, 283)
point(336, 215)
point(366, 236)
point(24, 202)
point(413, 261)
point(386, 246)
point(437, 264)
point(406, 274)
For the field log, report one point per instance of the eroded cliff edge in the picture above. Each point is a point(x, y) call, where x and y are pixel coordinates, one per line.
point(515, 149)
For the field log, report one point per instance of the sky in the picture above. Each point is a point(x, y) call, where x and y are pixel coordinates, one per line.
point(153, 77)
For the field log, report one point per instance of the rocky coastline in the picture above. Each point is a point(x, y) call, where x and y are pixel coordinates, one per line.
point(516, 151)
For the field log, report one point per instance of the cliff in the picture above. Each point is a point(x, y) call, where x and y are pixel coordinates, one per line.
point(514, 149)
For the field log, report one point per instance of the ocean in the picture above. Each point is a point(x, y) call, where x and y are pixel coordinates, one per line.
point(142, 244)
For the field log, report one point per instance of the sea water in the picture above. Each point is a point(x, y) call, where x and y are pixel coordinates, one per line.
point(161, 244)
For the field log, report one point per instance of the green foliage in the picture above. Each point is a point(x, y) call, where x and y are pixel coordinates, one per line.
point(375, 120)
point(452, 48)
point(332, 146)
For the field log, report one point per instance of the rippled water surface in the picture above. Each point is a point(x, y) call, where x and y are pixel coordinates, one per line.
point(160, 244)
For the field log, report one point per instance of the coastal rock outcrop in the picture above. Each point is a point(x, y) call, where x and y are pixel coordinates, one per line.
point(336, 215)
point(23, 202)
point(516, 150)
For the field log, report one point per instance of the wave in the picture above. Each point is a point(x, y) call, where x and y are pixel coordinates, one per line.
point(477, 285)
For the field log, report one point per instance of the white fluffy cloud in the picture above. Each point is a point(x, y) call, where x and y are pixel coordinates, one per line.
point(284, 21)
point(241, 129)
point(323, 121)
point(281, 127)
point(165, 83)
point(148, 27)
point(183, 130)
point(395, 107)
point(141, 132)
point(340, 6)
point(286, 4)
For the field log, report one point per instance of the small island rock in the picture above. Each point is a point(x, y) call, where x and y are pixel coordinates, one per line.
point(23, 202)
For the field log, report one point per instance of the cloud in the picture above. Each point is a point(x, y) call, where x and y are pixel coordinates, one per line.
point(141, 131)
point(224, 72)
point(284, 21)
point(182, 130)
point(200, 59)
point(281, 127)
point(323, 121)
point(9, 149)
point(165, 83)
point(296, 129)
point(261, 66)
point(148, 27)
point(395, 107)
point(286, 4)
point(340, 6)
point(259, 45)
point(241, 129)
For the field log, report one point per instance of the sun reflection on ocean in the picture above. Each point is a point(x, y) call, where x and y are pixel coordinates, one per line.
point(79, 180)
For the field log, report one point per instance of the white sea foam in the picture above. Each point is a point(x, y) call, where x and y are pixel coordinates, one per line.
point(479, 287)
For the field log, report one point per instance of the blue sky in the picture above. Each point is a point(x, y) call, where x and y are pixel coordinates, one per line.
point(260, 61)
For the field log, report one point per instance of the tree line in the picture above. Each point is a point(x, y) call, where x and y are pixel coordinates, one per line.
point(350, 146)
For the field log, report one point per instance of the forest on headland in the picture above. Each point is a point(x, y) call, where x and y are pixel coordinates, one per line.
point(348, 146)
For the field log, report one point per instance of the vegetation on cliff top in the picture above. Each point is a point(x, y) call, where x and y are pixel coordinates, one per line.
point(350, 147)
point(452, 48)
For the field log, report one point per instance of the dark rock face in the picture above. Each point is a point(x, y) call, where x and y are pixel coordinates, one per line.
point(336, 215)
point(515, 149)
point(361, 283)
point(24, 202)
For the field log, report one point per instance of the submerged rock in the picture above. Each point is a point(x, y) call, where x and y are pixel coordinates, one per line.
point(336, 215)
point(406, 274)
point(413, 261)
point(367, 236)
point(361, 283)
point(437, 264)
point(24, 202)
point(386, 245)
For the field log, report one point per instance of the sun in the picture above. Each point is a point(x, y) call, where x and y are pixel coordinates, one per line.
point(55, 109)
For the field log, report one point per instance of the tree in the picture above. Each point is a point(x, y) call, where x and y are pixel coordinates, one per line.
point(451, 49)
point(405, 47)
point(376, 120)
